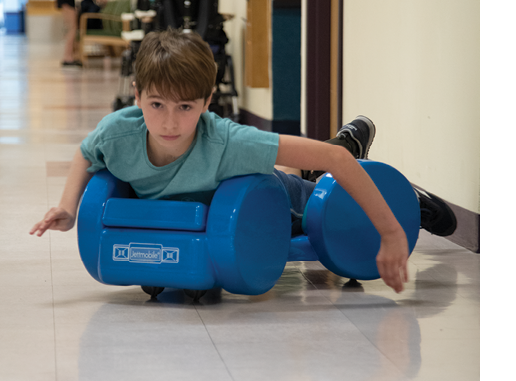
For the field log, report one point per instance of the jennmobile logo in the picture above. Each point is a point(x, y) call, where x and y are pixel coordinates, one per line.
point(145, 253)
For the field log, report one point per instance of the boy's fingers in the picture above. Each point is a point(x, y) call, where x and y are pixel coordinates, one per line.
point(41, 230)
point(45, 225)
point(35, 228)
point(42, 226)
point(404, 273)
point(50, 221)
point(49, 226)
point(392, 275)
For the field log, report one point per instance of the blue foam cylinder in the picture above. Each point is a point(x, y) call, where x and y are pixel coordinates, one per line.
point(241, 242)
point(101, 187)
point(249, 243)
point(344, 238)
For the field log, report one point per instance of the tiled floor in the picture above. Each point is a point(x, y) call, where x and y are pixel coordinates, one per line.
point(57, 323)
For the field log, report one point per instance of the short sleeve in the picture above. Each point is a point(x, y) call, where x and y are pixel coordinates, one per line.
point(115, 142)
point(248, 150)
point(91, 149)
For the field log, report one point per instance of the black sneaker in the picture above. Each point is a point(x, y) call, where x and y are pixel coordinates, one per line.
point(356, 136)
point(360, 133)
point(436, 215)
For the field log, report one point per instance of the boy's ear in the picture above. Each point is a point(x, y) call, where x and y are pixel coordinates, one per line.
point(137, 96)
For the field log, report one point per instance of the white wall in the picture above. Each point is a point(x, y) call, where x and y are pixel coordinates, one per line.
point(256, 101)
point(413, 66)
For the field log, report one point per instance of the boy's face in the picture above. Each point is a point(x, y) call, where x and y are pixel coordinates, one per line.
point(171, 124)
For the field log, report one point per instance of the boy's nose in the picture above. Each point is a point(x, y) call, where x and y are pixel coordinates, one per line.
point(170, 122)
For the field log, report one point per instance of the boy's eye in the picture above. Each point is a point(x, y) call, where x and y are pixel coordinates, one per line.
point(185, 107)
point(156, 104)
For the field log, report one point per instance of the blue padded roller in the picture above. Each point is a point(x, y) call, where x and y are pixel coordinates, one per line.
point(241, 242)
point(101, 187)
point(249, 243)
point(342, 235)
point(155, 214)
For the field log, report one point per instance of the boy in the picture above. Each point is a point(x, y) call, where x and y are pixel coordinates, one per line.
point(169, 146)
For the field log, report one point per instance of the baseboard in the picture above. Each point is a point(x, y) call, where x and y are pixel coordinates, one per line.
point(287, 127)
point(467, 233)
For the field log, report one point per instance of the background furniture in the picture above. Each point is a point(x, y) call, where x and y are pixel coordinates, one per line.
point(112, 27)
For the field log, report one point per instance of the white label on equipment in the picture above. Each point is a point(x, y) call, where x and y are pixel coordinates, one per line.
point(145, 253)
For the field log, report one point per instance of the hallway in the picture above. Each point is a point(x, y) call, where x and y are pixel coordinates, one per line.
point(58, 323)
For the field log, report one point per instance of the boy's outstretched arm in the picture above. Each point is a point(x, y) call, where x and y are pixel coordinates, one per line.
point(63, 216)
point(297, 152)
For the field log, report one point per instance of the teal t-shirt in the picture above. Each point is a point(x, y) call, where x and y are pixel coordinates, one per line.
point(221, 149)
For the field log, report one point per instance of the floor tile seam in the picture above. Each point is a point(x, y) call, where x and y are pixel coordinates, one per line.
point(51, 275)
point(312, 342)
point(367, 337)
point(385, 354)
point(468, 299)
point(342, 312)
point(318, 290)
point(53, 307)
point(214, 345)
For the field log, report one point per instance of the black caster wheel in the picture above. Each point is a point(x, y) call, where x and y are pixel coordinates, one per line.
point(352, 283)
point(195, 294)
point(153, 291)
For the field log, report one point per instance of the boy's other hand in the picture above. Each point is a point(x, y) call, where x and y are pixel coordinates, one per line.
point(55, 219)
point(392, 262)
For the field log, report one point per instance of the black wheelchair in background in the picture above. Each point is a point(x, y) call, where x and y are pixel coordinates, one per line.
point(201, 16)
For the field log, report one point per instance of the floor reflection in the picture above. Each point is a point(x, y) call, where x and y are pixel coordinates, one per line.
point(149, 331)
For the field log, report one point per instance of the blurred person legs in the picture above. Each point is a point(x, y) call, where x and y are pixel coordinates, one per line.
point(70, 21)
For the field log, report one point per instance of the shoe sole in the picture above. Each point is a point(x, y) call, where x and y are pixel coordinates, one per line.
point(372, 132)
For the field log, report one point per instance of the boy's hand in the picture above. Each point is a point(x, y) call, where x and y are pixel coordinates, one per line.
point(63, 217)
point(55, 219)
point(392, 261)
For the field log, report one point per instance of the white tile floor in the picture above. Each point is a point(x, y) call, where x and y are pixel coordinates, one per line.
point(57, 323)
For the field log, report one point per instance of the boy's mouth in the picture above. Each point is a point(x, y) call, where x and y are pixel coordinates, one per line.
point(169, 138)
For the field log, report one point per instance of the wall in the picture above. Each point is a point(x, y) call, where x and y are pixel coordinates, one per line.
point(413, 66)
point(256, 101)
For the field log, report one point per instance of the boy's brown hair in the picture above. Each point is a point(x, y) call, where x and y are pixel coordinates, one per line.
point(179, 66)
